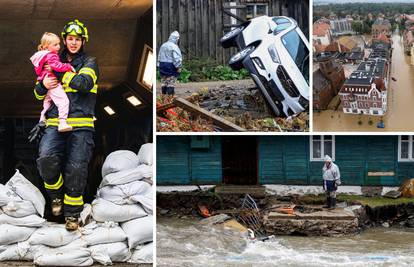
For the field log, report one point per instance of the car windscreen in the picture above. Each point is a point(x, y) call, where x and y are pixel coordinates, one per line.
point(298, 51)
point(282, 24)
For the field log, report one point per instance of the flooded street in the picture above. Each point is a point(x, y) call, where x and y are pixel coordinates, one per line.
point(184, 242)
point(400, 101)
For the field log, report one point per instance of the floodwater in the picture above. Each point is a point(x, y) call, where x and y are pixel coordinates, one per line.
point(184, 242)
point(400, 101)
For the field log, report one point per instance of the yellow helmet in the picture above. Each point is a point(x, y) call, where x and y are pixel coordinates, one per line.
point(75, 28)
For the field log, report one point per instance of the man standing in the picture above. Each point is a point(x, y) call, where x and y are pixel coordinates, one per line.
point(169, 63)
point(64, 157)
point(331, 181)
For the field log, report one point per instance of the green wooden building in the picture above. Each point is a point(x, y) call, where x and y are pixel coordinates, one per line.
point(291, 160)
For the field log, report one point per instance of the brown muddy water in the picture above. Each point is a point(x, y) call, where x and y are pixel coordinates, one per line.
point(400, 101)
point(184, 242)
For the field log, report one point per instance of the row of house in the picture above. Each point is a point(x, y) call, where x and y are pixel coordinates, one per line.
point(365, 91)
point(250, 160)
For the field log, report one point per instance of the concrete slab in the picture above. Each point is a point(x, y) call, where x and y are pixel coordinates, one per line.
point(337, 214)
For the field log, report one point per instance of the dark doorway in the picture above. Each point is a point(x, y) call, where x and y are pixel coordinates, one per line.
point(239, 159)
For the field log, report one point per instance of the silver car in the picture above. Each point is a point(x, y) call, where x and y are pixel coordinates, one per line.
point(276, 53)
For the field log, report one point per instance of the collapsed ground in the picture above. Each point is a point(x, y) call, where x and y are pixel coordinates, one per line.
point(239, 102)
point(294, 215)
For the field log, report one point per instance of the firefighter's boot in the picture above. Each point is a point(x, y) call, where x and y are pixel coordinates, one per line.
point(57, 206)
point(72, 223)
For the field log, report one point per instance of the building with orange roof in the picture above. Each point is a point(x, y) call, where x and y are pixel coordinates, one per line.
point(322, 34)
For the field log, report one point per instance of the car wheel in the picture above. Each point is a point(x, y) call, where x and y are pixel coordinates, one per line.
point(236, 61)
point(229, 39)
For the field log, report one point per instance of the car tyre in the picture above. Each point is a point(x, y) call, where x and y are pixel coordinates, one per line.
point(236, 61)
point(229, 39)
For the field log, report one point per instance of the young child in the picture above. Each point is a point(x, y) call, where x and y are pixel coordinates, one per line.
point(48, 54)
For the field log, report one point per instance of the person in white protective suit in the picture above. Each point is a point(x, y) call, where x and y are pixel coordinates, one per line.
point(169, 64)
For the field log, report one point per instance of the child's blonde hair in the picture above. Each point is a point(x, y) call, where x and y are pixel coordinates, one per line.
point(46, 40)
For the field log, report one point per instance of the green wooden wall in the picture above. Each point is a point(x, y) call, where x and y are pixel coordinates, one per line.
point(283, 160)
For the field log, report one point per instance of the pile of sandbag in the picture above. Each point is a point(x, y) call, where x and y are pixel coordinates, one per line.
point(22, 208)
point(124, 204)
point(120, 229)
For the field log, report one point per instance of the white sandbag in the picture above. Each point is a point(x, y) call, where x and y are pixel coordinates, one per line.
point(19, 252)
point(123, 177)
point(134, 192)
point(10, 234)
point(138, 231)
point(7, 195)
point(145, 154)
point(86, 213)
point(143, 254)
point(19, 208)
point(103, 210)
point(79, 256)
point(53, 236)
point(120, 160)
point(29, 221)
point(102, 233)
point(112, 252)
point(27, 191)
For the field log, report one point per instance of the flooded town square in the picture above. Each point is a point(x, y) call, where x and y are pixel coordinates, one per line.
point(400, 101)
point(184, 242)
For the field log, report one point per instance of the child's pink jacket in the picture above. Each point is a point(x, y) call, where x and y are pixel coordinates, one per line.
point(44, 56)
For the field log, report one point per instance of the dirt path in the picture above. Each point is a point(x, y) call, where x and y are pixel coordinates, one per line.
point(186, 89)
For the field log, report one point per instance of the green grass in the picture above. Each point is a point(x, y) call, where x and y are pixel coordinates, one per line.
point(355, 199)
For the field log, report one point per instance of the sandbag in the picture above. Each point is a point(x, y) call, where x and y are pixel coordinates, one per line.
point(19, 208)
point(102, 233)
point(7, 195)
point(145, 154)
point(103, 210)
point(29, 221)
point(134, 192)
point(53, 236)
point(120, 160)
point(77, 256)
point(27, 191)
point(10, 234)
point(138, 231)
point(19, 252)
point(143, 254)
point(123, 177)
point(108, 253)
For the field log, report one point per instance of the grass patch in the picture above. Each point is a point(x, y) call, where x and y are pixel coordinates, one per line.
point(355, 199)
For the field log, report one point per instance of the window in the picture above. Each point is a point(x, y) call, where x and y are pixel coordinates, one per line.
point(146, 68)
point(256, 10)
point(321, 145)
point(405, 148)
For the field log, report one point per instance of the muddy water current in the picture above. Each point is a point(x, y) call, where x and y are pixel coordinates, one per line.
point(400, 101)
point(184, 242)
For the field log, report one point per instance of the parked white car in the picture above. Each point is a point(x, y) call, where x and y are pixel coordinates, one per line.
point(276, 53)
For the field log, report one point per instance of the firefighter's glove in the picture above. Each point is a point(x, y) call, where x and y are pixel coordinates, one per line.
point(37, 132)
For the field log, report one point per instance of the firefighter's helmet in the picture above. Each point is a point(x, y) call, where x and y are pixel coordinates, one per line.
point(75, 28)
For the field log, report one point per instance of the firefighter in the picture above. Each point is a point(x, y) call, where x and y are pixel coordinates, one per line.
point(64, 157)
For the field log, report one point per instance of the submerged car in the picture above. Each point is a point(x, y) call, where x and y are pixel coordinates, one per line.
point(276, 53)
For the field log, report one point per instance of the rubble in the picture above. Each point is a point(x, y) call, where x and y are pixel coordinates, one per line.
point(244, 107)
point(353, 213)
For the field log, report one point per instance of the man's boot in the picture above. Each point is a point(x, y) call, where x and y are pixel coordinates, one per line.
point(72, 223)
point(328, 203)
point(57, 206)
point(333, 203)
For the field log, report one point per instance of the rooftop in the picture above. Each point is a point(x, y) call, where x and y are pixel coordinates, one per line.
point(381, 21)
point(321, 29)
point(367, 72)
